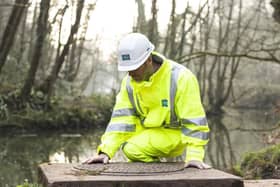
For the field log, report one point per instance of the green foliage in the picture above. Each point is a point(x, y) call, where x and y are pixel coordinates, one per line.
point(236, 170)
point(261, 165)
point(27, 184)
point(72, 113)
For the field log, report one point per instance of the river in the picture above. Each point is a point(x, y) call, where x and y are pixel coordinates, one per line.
point(234, 134)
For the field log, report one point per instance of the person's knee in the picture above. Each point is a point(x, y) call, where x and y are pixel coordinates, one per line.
point(135, 154)
point(131, 152)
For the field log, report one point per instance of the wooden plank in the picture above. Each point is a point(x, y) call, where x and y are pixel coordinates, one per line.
point(63, 175)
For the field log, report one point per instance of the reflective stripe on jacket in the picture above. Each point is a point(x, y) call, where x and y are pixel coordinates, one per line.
point(170, 99)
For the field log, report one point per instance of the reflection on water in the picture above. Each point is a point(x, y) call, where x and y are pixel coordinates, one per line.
point(20, 154)
point(236, 133)
point(230, 138)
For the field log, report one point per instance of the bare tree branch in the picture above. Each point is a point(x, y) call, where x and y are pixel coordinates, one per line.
point(199, 54)
point(15, 5)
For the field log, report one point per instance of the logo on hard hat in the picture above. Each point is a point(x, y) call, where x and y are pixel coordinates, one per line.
point(125, 57)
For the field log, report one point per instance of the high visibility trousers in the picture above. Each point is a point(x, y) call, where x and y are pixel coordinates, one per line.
point(151, 144)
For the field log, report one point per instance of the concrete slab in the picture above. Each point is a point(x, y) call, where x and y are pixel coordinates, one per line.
point(262, 183)
point(64, 175)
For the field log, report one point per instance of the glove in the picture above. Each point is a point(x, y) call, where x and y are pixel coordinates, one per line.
point(101, 158)
point(197, 164)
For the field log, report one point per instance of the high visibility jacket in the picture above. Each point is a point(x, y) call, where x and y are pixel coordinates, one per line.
point(170, 99)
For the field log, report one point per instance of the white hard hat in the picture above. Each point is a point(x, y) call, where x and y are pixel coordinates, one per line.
point(134, 50)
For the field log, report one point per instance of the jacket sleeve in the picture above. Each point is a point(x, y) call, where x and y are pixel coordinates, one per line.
point(190, 112)
point(123, 124)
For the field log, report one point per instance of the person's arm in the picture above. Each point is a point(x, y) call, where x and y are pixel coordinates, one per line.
point(190, 111)
point(122, 125)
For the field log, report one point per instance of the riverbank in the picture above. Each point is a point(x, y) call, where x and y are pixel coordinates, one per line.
point(63, 114)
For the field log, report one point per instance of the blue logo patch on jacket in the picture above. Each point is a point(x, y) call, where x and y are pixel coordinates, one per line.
point(164, 103)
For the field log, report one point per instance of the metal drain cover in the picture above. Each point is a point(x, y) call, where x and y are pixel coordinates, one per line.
point(124, 168)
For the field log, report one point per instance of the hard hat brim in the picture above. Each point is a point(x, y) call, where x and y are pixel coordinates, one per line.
point(133, 66)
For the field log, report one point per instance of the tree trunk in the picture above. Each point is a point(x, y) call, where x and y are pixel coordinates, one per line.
point(171, 33)
point(22, 35)
point(153, 26)
point(11, 30)
point(32, 33)
point(141, 19)
point(51, 79)
point(276, 13)
point(41, 34)
point(77, 49)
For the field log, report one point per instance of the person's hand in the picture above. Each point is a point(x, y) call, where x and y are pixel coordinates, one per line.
point(197, 164)
point(101, 158)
